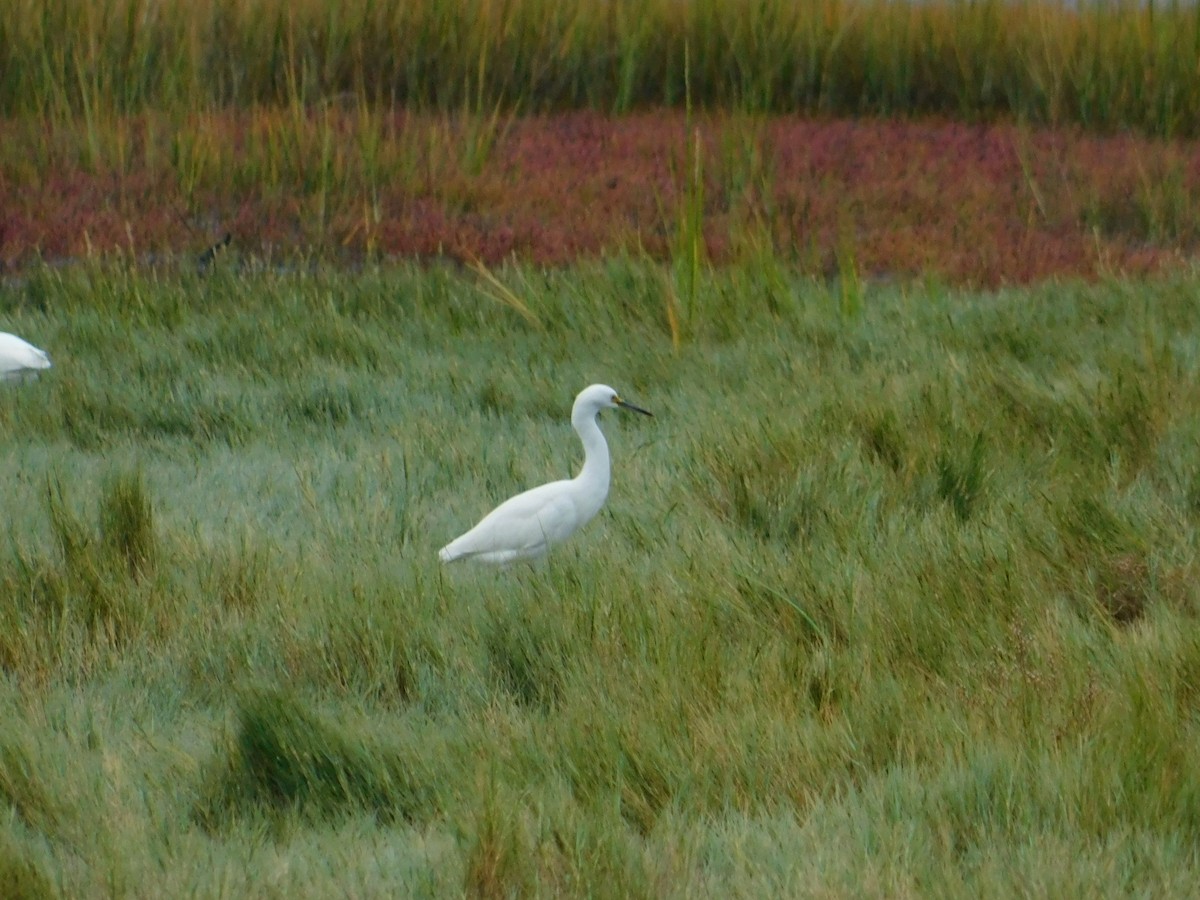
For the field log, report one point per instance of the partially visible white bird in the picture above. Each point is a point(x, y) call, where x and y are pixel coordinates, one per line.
point(525, 526)
point(20, 359)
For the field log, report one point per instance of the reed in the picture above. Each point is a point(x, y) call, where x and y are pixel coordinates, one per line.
point(1102, 65)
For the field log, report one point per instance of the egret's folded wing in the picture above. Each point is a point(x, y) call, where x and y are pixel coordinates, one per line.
point(521, 525)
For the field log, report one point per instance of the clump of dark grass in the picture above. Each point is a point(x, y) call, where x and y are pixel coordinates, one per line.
point(368, 657)
point(99, 590)
point(282, 758)
point(884, 438)
point(98, 568)
point(962, 476)
point(1108, 558)
point(29, 798)
point(527, 655)
point(127, 523)
point(498, 856)
point(628, 763)
point(90, 414)
point(761, 481)
point(125, 540)
point(327, 404)
point(238, 573)
point(22, 875)
point(1123, 588)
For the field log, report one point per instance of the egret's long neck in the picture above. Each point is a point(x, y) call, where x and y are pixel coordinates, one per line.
point(595, 471)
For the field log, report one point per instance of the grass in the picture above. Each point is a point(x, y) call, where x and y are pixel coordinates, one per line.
point(893, 603)
point(1102, 65)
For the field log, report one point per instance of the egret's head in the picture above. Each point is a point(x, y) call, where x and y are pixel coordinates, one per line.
point(600, 396)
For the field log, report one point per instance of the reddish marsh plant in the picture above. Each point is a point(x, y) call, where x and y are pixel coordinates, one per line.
point(968, 204)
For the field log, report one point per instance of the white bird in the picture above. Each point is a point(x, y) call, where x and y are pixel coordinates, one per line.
point(525, 526)
point(19, 358)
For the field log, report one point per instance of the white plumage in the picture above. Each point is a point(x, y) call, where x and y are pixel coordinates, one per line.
point(527, 525)
point(20, 359)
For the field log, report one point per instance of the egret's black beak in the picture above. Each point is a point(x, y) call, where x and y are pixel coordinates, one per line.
point(621, 403)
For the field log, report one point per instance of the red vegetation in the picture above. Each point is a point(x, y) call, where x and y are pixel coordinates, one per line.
point(968, 204)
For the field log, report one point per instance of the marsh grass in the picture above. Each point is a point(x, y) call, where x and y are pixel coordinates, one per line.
point(281, 758)
point(899, 602)
point(21, 875)
point(1102, 65)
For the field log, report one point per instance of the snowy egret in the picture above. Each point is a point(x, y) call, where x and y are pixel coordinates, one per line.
point(19, 358)
point(525, 526)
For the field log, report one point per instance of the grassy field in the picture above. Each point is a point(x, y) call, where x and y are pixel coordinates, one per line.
point(896, 595)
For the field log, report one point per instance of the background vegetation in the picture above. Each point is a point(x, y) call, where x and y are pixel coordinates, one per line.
point(378, 128)
point(968, 205)
point(895, 596)
point(1101, 64)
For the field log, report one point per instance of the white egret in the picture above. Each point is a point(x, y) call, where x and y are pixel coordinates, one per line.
point(19, 359)
point(525, 526)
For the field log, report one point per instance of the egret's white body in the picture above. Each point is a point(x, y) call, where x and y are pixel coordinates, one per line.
point(527, 525)
point(20, 359)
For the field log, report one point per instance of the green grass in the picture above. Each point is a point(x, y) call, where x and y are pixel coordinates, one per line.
point(1101, 64)
point(897, 600)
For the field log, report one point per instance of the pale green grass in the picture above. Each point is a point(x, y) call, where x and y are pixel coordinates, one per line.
point(890, 599)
